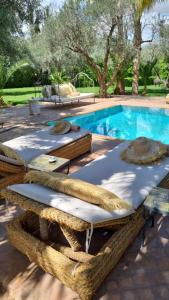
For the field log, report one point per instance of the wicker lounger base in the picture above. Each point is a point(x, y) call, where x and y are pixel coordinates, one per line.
point(11, 179)
point(75, 148)
point(55, 215)
point(84, 277)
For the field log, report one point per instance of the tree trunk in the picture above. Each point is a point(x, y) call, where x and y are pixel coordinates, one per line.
point(167, 81)
point(101, 74)
point(145, 89)
point(103, 89)
point(136, 65)
point(120, 87)
point(137, 56)
point(2, 102)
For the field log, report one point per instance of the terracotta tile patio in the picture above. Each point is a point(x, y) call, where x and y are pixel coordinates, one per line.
point(142, 273)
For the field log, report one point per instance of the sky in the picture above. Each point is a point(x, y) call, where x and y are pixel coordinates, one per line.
point(54, 3)
point(162, 8)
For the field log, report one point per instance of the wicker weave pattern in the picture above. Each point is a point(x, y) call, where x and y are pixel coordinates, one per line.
point(78, 256)
point(74, 149)
point(9, 168)
point(11, 179)
point(84, 278)
point(70, 237)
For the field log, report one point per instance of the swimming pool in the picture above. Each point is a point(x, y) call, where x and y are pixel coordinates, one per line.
point(127, 122)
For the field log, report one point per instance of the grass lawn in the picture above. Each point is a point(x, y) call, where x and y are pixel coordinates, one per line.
point(152, 90)
point(23, 95)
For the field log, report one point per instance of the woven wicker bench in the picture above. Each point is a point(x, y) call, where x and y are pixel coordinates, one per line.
point(80, 271)
point(65, 257)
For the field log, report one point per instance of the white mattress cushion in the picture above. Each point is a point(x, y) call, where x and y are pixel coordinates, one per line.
point(40, 142)
point(83, 96)
point(71, 205)
point(129, 182)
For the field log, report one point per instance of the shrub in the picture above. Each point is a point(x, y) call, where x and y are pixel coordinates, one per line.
point(21, 76)
point(128, 81)
point(58, 77)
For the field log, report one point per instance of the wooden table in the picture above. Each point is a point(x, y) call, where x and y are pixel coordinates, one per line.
point(41, 163)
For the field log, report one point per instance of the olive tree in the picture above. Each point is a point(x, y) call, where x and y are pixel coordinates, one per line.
point(13, 15)
point(149, 58)
point(90, 29)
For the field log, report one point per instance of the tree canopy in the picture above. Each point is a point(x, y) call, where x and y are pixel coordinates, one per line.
point(14, 14)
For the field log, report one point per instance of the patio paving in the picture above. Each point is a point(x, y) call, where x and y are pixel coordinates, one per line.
point(142, 273)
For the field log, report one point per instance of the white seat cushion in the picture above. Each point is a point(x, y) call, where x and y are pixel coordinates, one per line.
point(129, 182)
point(73, 206)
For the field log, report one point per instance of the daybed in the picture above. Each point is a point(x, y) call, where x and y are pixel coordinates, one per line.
point(23, 149)
point(63, 100)
point(83, 269)
point(69, 145)
point(63, 93)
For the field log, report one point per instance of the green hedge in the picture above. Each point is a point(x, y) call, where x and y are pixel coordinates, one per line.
point(23, 76)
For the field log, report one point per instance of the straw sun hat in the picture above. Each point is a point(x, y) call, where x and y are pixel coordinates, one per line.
point(61, 127)
point(144, 151)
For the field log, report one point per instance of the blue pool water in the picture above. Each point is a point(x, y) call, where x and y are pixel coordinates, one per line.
point(126, 122)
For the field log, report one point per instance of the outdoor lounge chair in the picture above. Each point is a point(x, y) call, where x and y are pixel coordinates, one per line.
point(83, 271)
point(27, 147)
point(64, 93)
point(69, 145)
